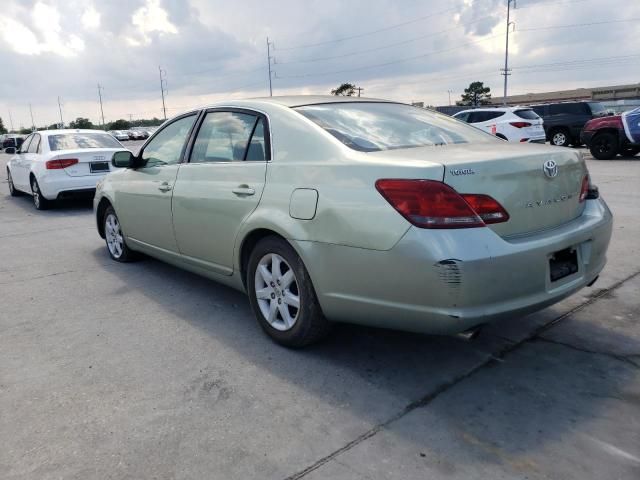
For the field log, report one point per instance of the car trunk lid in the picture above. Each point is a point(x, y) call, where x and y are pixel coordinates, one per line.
point(91, 162)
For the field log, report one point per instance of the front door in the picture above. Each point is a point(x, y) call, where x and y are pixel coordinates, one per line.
point(22, 165)
point(220, 186)
point(143, 201)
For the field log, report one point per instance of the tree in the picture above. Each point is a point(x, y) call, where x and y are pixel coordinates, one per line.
point(345, 90)
point(81, 122)
point(120, 124)
point(476, 94)
point(25, 131)
point(2, 127)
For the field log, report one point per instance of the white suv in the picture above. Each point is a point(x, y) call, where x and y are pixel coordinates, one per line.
point(515, 124)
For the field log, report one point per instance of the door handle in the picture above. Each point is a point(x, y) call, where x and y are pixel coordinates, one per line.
point(164, 187)
point(244, 190)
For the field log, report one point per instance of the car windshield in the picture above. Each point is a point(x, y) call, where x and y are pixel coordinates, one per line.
point(375, 126)
point(70, 141)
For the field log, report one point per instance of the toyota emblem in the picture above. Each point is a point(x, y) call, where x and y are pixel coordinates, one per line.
point(550, 168)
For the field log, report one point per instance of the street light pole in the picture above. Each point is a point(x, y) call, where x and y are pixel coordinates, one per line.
point(506, 71)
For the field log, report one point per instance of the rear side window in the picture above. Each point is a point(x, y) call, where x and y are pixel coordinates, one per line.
point(229, 137)
point(527, 114)
point(377, 126)
point(73, 141)
point(483, 116)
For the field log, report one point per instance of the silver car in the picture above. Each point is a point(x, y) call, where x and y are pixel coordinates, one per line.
point(328, 209)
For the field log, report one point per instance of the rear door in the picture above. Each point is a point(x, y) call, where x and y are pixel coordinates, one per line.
point(220, 186)
point(143, 198)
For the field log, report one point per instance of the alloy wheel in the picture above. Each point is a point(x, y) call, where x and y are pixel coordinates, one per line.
point(277, 292)
point(37, 200)
point(113, 234)
point(12, 189)
point(559, 139)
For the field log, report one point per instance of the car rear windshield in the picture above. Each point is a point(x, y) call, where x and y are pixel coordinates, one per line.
point(375, 126)
point(527, 114)
point(72, 141)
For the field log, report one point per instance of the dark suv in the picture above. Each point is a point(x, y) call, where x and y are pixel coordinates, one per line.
point(563, 121)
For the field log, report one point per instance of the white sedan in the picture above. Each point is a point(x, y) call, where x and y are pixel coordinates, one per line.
point(54, 164)
point(514, 124)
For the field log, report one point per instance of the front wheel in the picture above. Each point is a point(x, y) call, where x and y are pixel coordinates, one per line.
point(39, 201)
point(604, 146)
point(282, 296)
point(117, 247)
point(12, 189)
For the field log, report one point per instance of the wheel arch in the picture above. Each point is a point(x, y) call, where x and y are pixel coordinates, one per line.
point(100, 210)
point(247, 245)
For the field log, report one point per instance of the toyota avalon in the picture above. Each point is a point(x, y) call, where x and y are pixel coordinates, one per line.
point(355, 210)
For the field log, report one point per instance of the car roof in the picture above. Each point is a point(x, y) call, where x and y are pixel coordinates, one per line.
point(70, 130)
point(495, 109)
point(293, 101)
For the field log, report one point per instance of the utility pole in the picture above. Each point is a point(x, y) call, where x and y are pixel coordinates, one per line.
point(505, 71)
point(269, 45)
point(60, 110)
point(449, 92)
point(100, 97)
point(163, 84)
point(131, 117)
point(10, 120)
point(359, 89)
point(33, 124)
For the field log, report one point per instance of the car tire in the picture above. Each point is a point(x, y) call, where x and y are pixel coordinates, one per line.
point(282, 295)
point(114, 238)
point(12, 189)
point(39, 201)
point(560, 137)
point(604, 146)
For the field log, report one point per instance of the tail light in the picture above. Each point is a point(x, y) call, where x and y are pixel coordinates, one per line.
point(584, 190)
point(433, 204)
point(61, 163)
point(520, 124)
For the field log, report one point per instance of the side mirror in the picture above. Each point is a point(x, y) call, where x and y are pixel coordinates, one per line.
point(123, 159)
point(10, 150)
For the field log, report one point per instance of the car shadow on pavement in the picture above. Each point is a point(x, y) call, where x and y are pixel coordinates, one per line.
point(487, 401)
point(66, 207)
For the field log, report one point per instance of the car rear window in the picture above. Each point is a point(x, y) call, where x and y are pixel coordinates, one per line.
point(376, 126)
point(71, 141)
point(527, 114)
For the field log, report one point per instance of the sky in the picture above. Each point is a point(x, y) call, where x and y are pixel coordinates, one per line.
point(209, 50)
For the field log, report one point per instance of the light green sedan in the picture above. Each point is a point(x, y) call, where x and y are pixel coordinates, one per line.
point(327, 209)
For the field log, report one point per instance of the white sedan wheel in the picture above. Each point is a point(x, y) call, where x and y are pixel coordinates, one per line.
point(277, 292)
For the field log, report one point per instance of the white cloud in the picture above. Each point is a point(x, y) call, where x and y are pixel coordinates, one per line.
point(19, 38)
point(90, 18)
point(149, 19)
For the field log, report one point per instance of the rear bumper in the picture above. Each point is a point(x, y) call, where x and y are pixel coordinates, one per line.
point(448, 281)
point(60, 185)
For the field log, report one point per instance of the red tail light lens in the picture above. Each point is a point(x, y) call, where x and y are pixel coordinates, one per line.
point(432, 204)
point(584, 191)
point(520, 124)
point(61, 163)
point(487, 208)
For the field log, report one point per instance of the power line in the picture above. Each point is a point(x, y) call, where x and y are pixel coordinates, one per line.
point(391, 45)
point(571, 25)
point(552, 2)
point(372, 32)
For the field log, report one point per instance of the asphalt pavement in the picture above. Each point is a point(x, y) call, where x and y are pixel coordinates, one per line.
point(142, 370)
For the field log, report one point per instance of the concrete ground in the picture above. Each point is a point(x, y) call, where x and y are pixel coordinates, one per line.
point(140, 371)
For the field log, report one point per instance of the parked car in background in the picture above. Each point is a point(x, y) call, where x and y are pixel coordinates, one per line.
point(135, 135)
point(357, 210)
point(120, 135)
point(54, 164)
point(13, 141)
point(563, 121)
point(514, 124)
point(613, 135)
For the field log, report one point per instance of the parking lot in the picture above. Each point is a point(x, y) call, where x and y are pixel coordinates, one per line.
point(143, 370)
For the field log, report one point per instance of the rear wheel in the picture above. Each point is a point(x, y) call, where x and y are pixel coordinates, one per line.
point(12, 189)
point(560, 138)
point(282, 296)
point(117, 247)
point(604, 146)
point(39, 201)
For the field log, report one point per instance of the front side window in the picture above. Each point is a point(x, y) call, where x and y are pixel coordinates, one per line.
point(35, 144)
point(166, 147)
point(74, 141)
point(228, 137)
point(376, 126)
